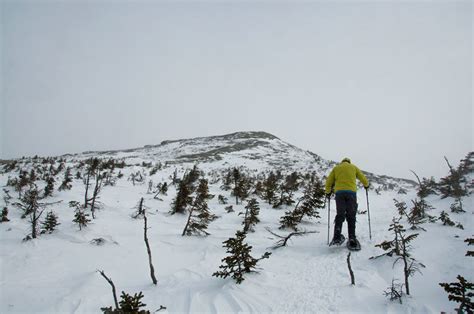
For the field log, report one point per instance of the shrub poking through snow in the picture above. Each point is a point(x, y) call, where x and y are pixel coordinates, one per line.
point(400, 247)
point(4, 214)
point(239, 261)
point(469, 241)
point(50, 223)
point(461, 292)
point(127, 304)
point(29, 203)
point(199, 215)
point(395, 291)
point(66, 184)
point(252, 210)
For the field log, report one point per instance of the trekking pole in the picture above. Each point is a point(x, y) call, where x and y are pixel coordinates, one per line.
point(329, 215)
point(368, 212)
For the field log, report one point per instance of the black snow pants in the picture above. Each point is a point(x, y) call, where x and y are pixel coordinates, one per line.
point(346, 204)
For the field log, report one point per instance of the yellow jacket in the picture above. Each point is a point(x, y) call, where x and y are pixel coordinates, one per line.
point(343, 176)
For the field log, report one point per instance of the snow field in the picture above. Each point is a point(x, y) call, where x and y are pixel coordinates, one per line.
point(56, 273)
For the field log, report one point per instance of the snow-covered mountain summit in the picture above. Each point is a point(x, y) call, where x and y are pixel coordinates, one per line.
point(255, 150)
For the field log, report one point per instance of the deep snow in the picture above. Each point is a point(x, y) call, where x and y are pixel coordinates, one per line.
point(57, 273)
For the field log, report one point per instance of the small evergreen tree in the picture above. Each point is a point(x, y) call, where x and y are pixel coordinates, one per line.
point(444, 217)
point(66, 184)
point(4, 214)
point(469, 241)
point(161, 189)
point(199, 215)
point(457, 207)
point(252, 210)
point(270, 186)
point(48, 190)
point(312, 200)
point(426, 186)
point(418, 214)
point(182, 200)
point(461, 292)
point(31, 206)
point(240, 261)
point(50, 223)
point(291, 219)
point(80, 216)
point(455, 184)
point(128, 304)
point(401, 247)
point(222, 199)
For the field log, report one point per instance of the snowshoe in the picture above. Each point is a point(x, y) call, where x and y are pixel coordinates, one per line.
point(353, 245)
point(338, 240)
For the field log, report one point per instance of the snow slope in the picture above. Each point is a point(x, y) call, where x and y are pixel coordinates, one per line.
point(57, 273)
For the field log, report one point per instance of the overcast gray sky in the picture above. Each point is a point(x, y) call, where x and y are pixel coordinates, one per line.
point(388, 84)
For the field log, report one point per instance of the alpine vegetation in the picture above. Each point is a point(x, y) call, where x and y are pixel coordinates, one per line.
point(169, 189)
point(240, 261)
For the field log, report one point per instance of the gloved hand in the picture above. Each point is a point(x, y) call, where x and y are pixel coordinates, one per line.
point(367, 187)
point(328, 195)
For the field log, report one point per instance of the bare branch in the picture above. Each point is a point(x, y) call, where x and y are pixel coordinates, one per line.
point(113, 288)
point(417, 177)
point(152, 269)
point(284, 240)
point(350, 268)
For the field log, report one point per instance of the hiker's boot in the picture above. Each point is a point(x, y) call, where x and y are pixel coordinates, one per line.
point(338, 238)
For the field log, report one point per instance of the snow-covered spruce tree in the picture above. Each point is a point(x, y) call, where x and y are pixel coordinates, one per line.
point(240, 185)
point(307, 205)
point(426, 186)
point(6, 200)
point(401, 208)
point(31, 206)
point(312, 200)
point(444, 217)
point(199, 215)
point(239, 262)
point(137, 177)
point(50, 223)
point(93, 172)
point(291, 219)
point(161, 189)
point(252, 210)
point(455, 185)
point(48, 190)
point(270, 188)
point(174, 177)
point(469, 241)
point(80, 217)
point(22, 182)
point(222, 199)
point(67, 181)
point(418, 214)
point(182, 200)
point(401, 247)
point(127, 304)
point(461, 292)
point(4, 215)
point(287, 189)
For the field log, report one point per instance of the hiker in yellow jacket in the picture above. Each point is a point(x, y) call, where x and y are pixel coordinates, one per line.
point(342, 180)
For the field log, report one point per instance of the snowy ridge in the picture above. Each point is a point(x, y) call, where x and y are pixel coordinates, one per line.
point(254, 150)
